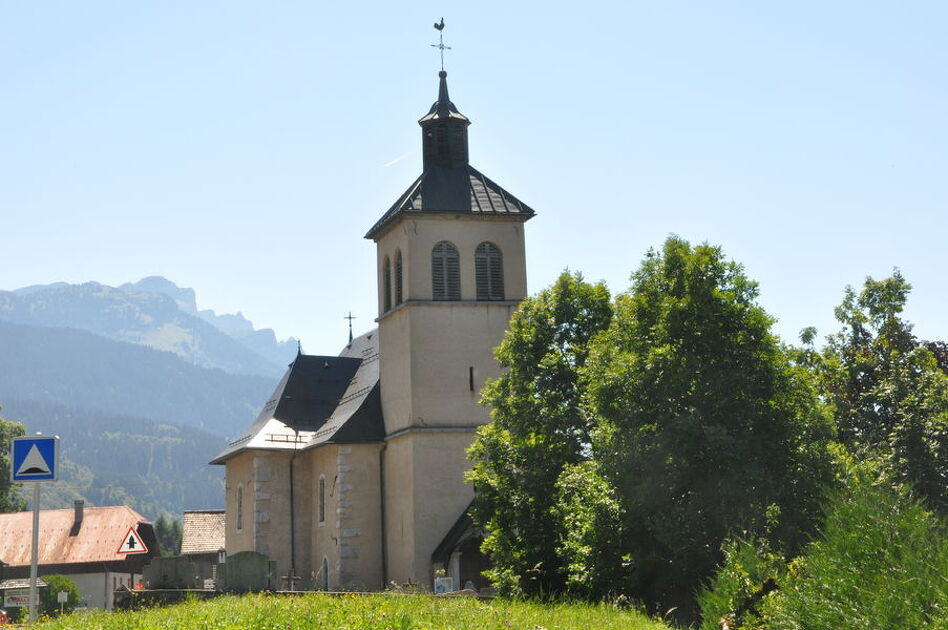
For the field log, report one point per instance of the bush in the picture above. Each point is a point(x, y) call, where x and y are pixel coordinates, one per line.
point(879, 564)
point(48, 600)
point(749, 574)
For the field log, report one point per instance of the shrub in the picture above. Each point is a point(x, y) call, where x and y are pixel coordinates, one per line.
point(749, 574)
point(49, 604)
point(880, 563)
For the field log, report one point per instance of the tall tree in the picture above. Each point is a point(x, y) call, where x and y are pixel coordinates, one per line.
point(889, 391)
point(704, 425)
point(168, 532)
point(10, 501)
point(537, 430)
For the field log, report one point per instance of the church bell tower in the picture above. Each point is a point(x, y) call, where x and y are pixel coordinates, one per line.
point(451, 270)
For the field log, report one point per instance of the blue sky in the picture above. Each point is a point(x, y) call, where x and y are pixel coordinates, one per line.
point(244, 148)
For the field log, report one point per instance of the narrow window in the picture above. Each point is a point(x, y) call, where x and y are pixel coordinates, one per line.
point(489, 272)
point(445, 272)
point(325, 574)
point(398, 277)
point(322, 499)
point(386, 285)
point(240, 508)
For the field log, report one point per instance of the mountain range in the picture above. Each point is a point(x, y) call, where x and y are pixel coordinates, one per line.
point(142, 387)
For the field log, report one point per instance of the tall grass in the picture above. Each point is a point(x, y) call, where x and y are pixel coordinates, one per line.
point(881, 563)
point(369, 612)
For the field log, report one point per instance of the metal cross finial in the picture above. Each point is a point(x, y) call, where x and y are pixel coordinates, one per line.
point(440, 45)
point(350, 317)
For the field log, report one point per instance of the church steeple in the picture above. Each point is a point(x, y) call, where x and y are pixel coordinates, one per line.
point(444, 132)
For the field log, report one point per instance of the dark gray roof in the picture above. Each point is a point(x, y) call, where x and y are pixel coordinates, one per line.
point(320, 399)
point(464, 190)
point(443, 107)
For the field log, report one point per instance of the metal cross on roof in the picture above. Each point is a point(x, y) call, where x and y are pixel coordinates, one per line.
point(350, 317)
point(440, 45)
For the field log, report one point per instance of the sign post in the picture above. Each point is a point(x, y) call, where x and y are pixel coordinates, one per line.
point(34, 459)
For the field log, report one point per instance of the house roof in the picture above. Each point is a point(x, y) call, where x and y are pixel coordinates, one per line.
point(202, 531)
point(97, 540)
point(454, 190)
point(320, 399)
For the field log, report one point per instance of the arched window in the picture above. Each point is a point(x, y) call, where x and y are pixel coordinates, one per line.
point(386, 285)
point(489, 272)
point(325, 571)
point(445, 272)
point(322, 500)
point(399, 297)
point(240, 508)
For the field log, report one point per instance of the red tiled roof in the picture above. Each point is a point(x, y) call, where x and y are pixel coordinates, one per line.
point(202, 531)
point(101, 534)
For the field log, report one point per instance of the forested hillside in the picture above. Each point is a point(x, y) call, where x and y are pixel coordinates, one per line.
point(108, 459)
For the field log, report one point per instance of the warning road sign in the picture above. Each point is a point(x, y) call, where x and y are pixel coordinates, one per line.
point(35, 458)
point(132, 543)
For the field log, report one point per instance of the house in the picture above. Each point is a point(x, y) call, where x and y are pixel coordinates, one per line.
point(352, 475)
point(81, 543)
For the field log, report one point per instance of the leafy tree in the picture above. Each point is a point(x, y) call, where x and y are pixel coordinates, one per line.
point(537, 431)
point(591, 548)
point(10, 501)
point(48, 597)
point(704, 424)
point(168, 532)
point(889, 392)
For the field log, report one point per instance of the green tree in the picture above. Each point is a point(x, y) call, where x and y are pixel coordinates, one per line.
point(10, 501)
point(705, 426)
point(168, 532)
point(537, 431)
point(49, 596)
point(889, 392)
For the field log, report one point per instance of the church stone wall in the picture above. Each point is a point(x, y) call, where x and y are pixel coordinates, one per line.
point(270, 516)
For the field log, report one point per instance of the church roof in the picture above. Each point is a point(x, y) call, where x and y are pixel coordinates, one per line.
point(320, 399)
point(464, 190)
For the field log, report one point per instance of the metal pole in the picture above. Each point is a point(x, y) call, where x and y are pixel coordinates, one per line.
point(34, 562)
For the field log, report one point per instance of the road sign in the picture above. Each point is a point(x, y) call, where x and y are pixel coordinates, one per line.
point(132, 543)
point(35, 458)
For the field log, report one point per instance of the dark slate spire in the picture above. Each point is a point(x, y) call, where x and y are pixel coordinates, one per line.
point(444, 132)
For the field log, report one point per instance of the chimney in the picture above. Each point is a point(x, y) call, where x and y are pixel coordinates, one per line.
point(78, 506)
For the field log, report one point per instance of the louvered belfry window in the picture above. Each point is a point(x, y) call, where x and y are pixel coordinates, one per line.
point(386, 285)
point(489, 272)
point(445, 272)
point(398, 277)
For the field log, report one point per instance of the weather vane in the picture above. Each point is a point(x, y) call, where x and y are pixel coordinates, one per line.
point(440, 45)
point(350, 317)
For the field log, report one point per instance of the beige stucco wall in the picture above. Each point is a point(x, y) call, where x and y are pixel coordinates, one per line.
point(239, 474)
point(425, 490)
point(415, 236)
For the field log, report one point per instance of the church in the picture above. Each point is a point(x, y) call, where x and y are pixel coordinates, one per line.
point(352, 475)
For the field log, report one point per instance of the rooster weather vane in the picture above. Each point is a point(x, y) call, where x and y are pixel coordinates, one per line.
point(440, 45)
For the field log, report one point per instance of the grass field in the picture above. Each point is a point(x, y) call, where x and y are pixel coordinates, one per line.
point(369, 612)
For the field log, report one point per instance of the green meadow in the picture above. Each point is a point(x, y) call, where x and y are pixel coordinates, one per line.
point(365, 612)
